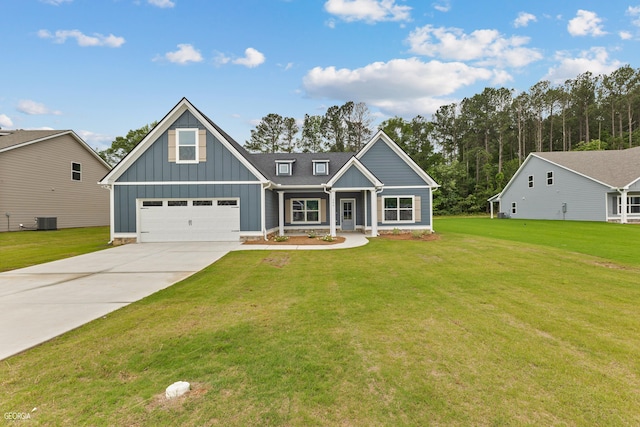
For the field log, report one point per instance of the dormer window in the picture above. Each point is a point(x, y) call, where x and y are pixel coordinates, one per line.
point(321, 167)
point(284, 167)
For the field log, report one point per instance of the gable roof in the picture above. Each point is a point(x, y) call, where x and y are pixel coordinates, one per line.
point(302, 173)
point(401, 153)
point(615, 168)
point(14, 139)
point(355, 163)
point(184, 105)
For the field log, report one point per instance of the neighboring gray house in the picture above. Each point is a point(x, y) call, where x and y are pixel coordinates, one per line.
point(189, 180)
point(50, 174)
point(575, 185)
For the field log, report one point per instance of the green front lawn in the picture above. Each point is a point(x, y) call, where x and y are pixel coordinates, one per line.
point(470, 329)
point(20, 249)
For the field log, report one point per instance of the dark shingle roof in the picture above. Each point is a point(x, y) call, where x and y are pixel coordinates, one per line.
point(616, 168)
point(9, 138)
point(302, 167)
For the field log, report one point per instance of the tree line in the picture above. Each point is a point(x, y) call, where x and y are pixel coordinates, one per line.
point(471, 148)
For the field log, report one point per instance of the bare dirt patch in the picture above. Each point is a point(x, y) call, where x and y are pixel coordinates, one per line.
point(408, 236)
point(277, 260)
point(297, 241)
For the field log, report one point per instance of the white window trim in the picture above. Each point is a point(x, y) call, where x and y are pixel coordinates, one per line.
point(305, 200)
point(289, 164)
point(326, 167)
point(530, 181)
point(552, 178)
point(629, 204)
point(197, 145)
point(75, 171)
point(400, 221)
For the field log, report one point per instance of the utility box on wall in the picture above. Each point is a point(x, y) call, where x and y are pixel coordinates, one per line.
point(47, 223)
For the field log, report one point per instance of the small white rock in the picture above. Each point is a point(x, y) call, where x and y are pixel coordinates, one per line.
point(177, 389)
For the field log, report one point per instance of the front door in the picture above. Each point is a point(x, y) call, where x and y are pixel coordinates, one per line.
point(348, 214)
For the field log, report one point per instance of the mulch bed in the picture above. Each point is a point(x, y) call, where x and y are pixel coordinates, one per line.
point(297, 241)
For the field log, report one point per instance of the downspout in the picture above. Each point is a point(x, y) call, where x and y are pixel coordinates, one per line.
point(332, 210)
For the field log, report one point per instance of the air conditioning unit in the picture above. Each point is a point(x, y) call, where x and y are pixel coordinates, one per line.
point(503, 215)
point(46, 223)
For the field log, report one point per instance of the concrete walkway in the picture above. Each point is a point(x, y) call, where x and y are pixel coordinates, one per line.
point(46, 300)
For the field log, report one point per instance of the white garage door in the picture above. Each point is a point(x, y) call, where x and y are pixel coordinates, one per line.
point(181, 220)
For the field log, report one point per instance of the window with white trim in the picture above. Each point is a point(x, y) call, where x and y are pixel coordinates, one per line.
point(550, 178)
point(284, 167)
point(514, 208)
point(398, 209)
point(633, 205)
point(321, 167)
point(530, 181)
point(76, 171)
point(186, 145)
point(305, 211)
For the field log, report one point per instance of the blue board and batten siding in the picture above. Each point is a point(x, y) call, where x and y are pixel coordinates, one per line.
point(393, 171)
point(585, 199)
point(153, 176)
point(388, 167)
point(353, 178)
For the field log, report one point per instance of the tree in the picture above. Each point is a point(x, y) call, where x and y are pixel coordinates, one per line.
point(121, 146)
point(312, 139)
point(273, 134)
point(358, 126)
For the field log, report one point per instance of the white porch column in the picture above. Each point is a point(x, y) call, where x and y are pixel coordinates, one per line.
point(623, 207)
point(332, 213)
point(281, 213)
point(374, 214)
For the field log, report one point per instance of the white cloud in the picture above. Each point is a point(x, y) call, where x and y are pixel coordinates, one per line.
point(400, 86)
point(586, 23)
point(634, 12)
point(161, 3)
point(252, 58)
point(625, 35)
point(96, 140)
point(370, 11)
point(83, 40)
point(5, 121)
point(34, 108)
point(596, 60)
point(487, 47)
point(186, 53)
point(442, 6)
point(56, 2)
point(524, 19)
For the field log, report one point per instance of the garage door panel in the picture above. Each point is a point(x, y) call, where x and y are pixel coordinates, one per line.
point(195, 222)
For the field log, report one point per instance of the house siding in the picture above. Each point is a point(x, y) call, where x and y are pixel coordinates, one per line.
point(388, 167)
point(585, 199)
point(126, 195)
point(35, 181)
point(324, 213)
point(359, 198)
point(153, 165)
point(271, 209)
point(425, 208)
point(353, 178)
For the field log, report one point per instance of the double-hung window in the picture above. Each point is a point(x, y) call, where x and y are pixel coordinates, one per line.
point(76, 171)
point(530, 181)
point(398, 209)
point(305, 211)
point(514, 208)
point(186, 145)
point(550, 178)
point(633, 204)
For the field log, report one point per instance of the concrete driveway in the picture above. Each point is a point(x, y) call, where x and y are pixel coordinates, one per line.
point(46, 300)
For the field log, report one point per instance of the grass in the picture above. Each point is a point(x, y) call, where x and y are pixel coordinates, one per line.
point(24, 248)
point(470, 329)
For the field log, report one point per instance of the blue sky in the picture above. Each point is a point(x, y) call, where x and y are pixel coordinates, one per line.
point(102, 67)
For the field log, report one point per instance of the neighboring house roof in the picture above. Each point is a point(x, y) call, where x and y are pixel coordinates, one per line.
point(615, 168)
point(14, 139)
point(302, 166)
